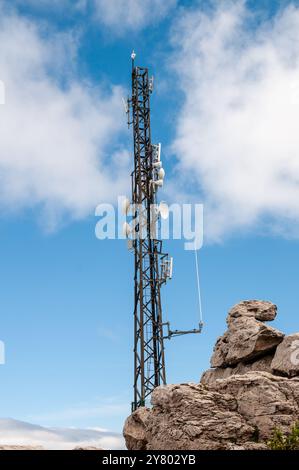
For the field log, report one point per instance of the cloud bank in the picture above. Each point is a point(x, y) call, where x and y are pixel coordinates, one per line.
point(237, 133)
point(13, 432)
point(58, 135)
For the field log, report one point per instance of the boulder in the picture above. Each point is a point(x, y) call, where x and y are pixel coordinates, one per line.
point(247, 337)
point(286, 358)
point(135, 429)
point(261, 310)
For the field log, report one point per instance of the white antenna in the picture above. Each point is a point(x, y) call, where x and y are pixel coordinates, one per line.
point(126, 205)
point(130, 245)
point(156, 152)
point(161, 174)
point(163, 210)
point(159, 153)
point(133, 55)
point(126, 106)
point(151, 84)
point(127, 229)
point(170, 268)
point(167, 269)
point(158, 183)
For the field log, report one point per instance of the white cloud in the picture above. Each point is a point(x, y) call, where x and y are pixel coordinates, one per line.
point(119, 16)
point(13, 432)
point(58, 5)
point(123, 15)
point(56, 133)
point(237, 134)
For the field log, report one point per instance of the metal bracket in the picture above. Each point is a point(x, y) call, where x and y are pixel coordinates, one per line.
point(173, 333)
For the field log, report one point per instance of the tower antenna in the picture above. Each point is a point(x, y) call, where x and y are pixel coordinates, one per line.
point(153, 267)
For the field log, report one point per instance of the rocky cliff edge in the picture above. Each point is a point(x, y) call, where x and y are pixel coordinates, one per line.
point(251, 389)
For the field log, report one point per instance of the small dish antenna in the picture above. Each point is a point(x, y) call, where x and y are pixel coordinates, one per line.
point(161, 174)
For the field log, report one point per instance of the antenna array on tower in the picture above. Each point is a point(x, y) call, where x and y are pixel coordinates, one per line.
point(152, 266)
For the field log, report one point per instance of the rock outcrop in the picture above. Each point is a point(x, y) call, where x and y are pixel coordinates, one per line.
point(252, 388)
point(247, 338)
point(188, 416)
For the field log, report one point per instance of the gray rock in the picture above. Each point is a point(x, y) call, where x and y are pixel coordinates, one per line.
point(261, 310)
point(264, 400)
point(263, 364)
point(210, 376)
point(245, 340)
point(254, 446)
point(233, 414)
point(238, 403)
point(135, 429)
point(188, 417)
point(286, 358)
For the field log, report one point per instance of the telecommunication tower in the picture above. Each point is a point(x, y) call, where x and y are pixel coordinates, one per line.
point(153, 267)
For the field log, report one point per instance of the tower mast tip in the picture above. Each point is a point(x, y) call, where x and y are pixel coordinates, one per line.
point(133, 55)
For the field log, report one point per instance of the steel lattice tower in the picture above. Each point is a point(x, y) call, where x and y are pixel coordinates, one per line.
point(152, 267)
point(148, 343)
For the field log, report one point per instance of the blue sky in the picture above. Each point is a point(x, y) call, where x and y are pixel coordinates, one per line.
point(66, 297)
